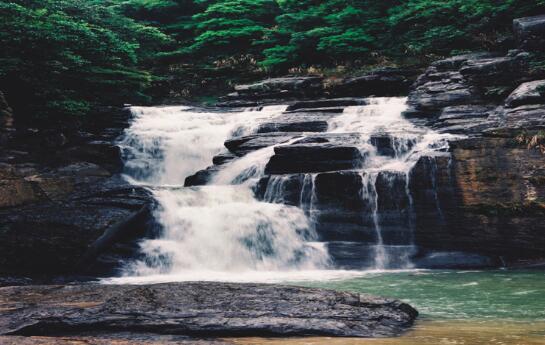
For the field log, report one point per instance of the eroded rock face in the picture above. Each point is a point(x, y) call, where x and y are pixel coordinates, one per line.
point(63, 207)
point(487, 196)
point(210, 309)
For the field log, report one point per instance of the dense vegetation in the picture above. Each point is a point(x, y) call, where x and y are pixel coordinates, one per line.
point(61, 57)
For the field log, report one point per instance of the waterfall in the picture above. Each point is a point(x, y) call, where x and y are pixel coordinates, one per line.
point(381, 126)
point(220, 227)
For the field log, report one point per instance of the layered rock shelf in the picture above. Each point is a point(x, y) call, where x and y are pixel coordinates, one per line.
point(197, 310)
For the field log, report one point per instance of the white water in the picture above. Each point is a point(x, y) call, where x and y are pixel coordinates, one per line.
point(211, 230)
point(220, 231)
point(384, 116)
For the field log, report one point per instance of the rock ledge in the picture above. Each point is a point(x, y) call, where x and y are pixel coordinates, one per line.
point(199, 309)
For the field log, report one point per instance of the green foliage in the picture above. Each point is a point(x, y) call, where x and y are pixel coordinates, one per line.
point(61, 57)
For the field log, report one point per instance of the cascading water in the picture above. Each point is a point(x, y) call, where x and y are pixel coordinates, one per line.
point(215, 228)
point(380, 120)
point(221, 230)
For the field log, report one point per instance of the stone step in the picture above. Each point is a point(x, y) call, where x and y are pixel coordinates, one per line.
point(307, 158)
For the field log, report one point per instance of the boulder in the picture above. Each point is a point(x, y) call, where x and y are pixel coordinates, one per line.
point(199, 308)
point(528, 93)
point(530, 32)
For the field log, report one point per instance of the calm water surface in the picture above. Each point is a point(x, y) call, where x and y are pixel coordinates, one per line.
point(456, 307)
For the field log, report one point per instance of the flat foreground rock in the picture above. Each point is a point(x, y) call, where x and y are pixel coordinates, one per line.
point(198, 309)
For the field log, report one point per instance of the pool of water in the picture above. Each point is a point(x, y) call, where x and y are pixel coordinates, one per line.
point(456, 307)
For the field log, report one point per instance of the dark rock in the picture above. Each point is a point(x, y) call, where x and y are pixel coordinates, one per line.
point(487, 198)
point(105, 153)
point(464, 119)
point(506, 71)
point(526, 117)
point(394, 209)
point(530, 32)
point(324, 110)
point(14, 281)
point(118, 338)
point(297, 122)
point(237, 104)
point(223, 158)
point(528, 93)
point(201, 177)
point(6, 114)
point(388, 145)
point(199, 309)
point(456, 62)
point(72, 217)
point(294, 125)
point(436, 90)
point(283, 189)
point(454, 260)
point(327, 103)
point(306, 158)
point(280, 88)
point(380, 82)
point(243, 145)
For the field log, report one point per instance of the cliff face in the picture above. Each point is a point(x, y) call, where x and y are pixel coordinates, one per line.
point(64, 209)
point(488, 194)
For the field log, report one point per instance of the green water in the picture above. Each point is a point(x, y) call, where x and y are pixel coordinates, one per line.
point(456, 307)
point(461, 295)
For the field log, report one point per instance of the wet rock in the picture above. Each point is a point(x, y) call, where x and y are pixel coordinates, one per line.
point(243, 145)
point(351, 255)
point(70, 220)
point(394, 208)
point(323, 103)
point(530, 32)
point(388, 145)
point(201, 177)
point(284, 189)
point(487, 198)
point(464, 119)
point(280, 88)
point(381, 83)
point(435, 90)
point(223, 158)
point(505, 71)
point(324, 110)
point(455, 62)
point(306, 158)
point(339, 210)
point(211, 309)
point(528, 93)
point(454, 260)
point(295, 124)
